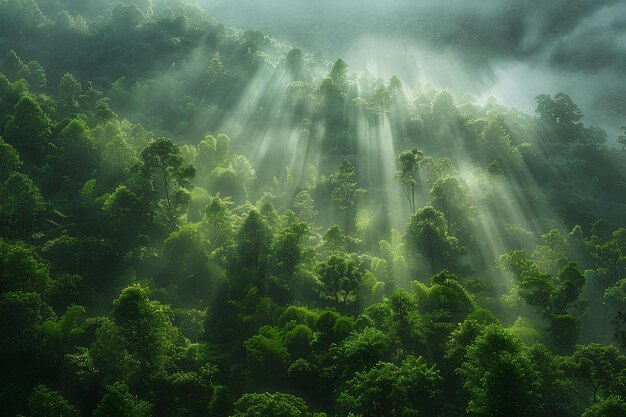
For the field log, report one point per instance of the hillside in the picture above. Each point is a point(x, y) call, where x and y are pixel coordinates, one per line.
point(200, 220)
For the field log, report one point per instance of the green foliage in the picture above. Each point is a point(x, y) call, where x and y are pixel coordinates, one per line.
point(452, 197)
point(145, 327)
point(427, 233)
point(277, 404)
point(21, 206)
point(267, 357)
point(288, 252)
point(340, 277)
point(612, 406)
point(408, 167)
point(44, 402)
point(414, 388)
point(346, 194)
point(196, 275)
point(21, 269)
point(118, 401)
point(103, 113)
point(9, 160)
point(167, 176)
point(69, 92)
point(28, 129)
point(218, 228)
point(22, 315)
point(362, 350)
point(253, 245)
point(600, 368)
point(559, 110)
point(499, 377)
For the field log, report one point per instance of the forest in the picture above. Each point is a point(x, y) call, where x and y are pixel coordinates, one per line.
point(199, 220)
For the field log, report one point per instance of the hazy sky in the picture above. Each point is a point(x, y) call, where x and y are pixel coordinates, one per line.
point(512, 49)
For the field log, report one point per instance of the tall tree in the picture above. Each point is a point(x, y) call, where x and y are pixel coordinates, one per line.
point(253, 246)
point(601, 369)
point(21, 206)
point(29, 129)
point(340, 277)
point(346, 193)
point(146, 328)
point(44, 402)
point(218, 228)
point(499, 376)
point(288, 251)
point(408, 166)
point(168, 175)
point(118, 401)
point(427, 233)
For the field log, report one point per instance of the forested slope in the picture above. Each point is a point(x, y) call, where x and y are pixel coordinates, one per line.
point(196, 220)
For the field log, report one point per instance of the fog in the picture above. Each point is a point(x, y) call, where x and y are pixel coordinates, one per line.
point(510, 50)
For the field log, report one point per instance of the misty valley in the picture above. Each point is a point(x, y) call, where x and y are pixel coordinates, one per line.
point(252, 217)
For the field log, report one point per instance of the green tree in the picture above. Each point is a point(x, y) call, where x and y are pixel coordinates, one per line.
point(77, 157)
point(128, 215)
point(103, 113)
point(12, 65)
point(333, 241)
point(21, 206)
point(412, 389)
point(601, 369)
point(187, 266)
point(427, 233)
point(22, 315)
point(44, 402)
point(304, 207)
point(21, 269)
point(555, 297)
point(362, 350)
point(218, 229)
point(145, 327)
point(452, 197)
point(339, 71)
point(119, 402)
point(222, 147)
point(276, 405)
point(216, 67)
point(561, 110)
point(552, 255)
point(341, 278)
point(403, 307)
point(28, 129)
point(346, 193)
point(288, 252)
point(168, 175)
point(253, 247)
point(499, 377)
point(295, 63)
point(609, 254)
point(561, 113)
point(408, 167)
point(442, 107)
point(35, 75)
point(108, 356)
point(69, 92)
point(9, 160)
point(613, 406)
point(126, 18)
point(267, 357)
point(495, 143)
